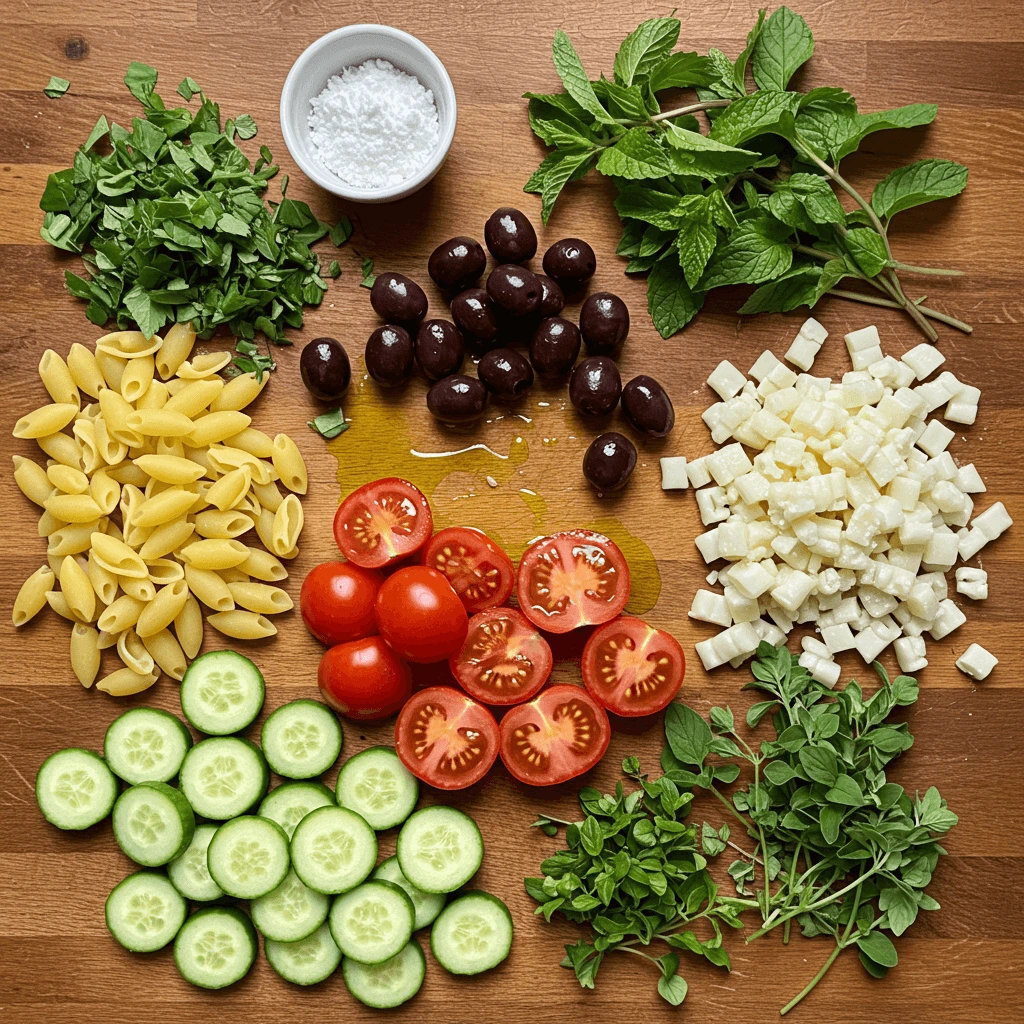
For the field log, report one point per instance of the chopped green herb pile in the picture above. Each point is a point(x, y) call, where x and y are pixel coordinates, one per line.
point(329, 424)
point(56, 87)
point(752, 201)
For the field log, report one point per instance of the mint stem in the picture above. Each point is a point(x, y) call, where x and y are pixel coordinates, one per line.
point(909, 268)
point(932, 314)
point(665, 115)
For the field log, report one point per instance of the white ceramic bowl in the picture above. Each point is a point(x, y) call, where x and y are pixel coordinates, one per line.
point(343, 48)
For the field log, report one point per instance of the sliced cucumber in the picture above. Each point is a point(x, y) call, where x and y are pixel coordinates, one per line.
point(373, 922)
point(215, 947)
point(223, 777)
point(144, 911)
point(222, 692)
point(302, 739)
point(189, 872)
point(75, 789)
point(427, 905)
point(290, 803)
point(307, 961)
point(146, 745)
point(153, 823)
point(472, 934)
point(248, 857)
point(440, 849)
point(389, 984)
point(333, 849)
point(291, 912)
point(378, 786)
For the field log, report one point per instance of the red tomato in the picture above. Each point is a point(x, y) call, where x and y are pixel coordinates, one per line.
point(504, 659)
point(445, 738)
point(337, 601)
point(382, 522)
point(576, 578)
point(364, 679)
point(633, 669)
point(557, 736)
point(420, 615)
point(478, 570)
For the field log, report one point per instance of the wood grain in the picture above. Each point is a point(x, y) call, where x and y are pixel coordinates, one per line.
point(958, 964)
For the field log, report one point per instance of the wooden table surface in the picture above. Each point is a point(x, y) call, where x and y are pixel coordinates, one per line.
point(962, 963)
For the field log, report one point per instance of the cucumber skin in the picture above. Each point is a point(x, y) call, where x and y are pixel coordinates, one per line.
point(106, 911)
point(476, 893)
point(370, 750)
point(427, 811)
point(287, 846)
point(196, 899)
point(184, 808)
point(231, 912)
point(106, 814)
point(182, 728)
point(417, 924)
point(387, 1006)
point(263, 764)
point(198, 661)
point(314, 775)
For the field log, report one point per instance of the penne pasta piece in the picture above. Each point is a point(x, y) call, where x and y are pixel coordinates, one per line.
point(76, 587)
point(61, 447)
point(159, 423)
point(165, 570)
point(134, 654)
point(205, 365)
point(73, 508)
point(85, 434)
point(242, 625)
point(239, 392)
point(165, 539)
point(188, 625)
point(103, 581)
point(259, 597)
point(105, 491)
point(287, 526)
point(106, 640)
point(137, 377)
point(209, 588)
point(116, 412)
point(288, 463)
point(48, 523)
point(214, 554)
point(110, 449)
point(155, 397)
point(177, 347)
point(264, 566)
point(230, 489)
point(141, 590)
point(85, 371)
point(59, 604)
point(163, 609)
point(164, 507)
point(127, 343)
point(195, 396)
point(226, 525)
point(66, 479)
point(31, 597)
point(167, 653)
point(57, 379)
point(170, 468)
point(117, 557)
point(32, 480)
point(253, 441)
point(112, 368)
point(265, 528)
point(48, 419)
point(214, 428)
point(85, 653)
point(71, 539)
point(124, 682)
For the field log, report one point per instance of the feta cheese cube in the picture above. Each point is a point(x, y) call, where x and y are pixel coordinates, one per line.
point(838, 638)
point(972, 583)
point(949, 618)
point(707, 545)
point(924, 360)
point(741, 607)
point(971, 543)
point(813, 331)
point(802, 352)
point(763, 365)
point(816, 647)
point(711, 505)
point(935, 438)
point(968, 479)
point(863, 358)
point(728, 463)
point(789, 451)
point(751, 579)
point(792, 587)
point(865, 338)
point(708, 606)
point(708, 654)
point(923, 602)
point(769, 632)
point(942, 550)
point(726, 380)
point(977, 662)
point(697, 472)
point(673, 473)
point(822, 670)
point(905, 489)
point(910, 652)
point(993, 522)
point(732, 539)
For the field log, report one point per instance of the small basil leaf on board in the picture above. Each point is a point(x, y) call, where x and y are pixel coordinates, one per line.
point(687, 734)
point(56, 87)
point(329, 424)
point(878, 948)
point(875, 970)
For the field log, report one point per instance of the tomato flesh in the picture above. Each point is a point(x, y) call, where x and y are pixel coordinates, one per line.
point(631, 668)
point(337, 601)
point(381, 522)
point(477, 569)
point(364, 679)
point(420, 615)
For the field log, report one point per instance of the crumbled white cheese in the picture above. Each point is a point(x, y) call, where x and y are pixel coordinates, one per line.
point(977, 662)
point(673, 473)
point(726, 380)
point(972, 583)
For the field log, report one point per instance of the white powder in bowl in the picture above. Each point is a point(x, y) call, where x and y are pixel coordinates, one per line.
point(374, 125)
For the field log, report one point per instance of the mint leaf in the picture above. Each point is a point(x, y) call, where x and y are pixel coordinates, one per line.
point(567, 167)
point(556, 133)
point(847, 792)
point(622, 101)
point(762, 113)
point(670, 300)
point(820, 764)
point(784, 44)
point(681, 71)
point(334, 269)
point(687, 734)
point(342, 231)
point(329, 424)
point(187, 88)
point(797, 287)
point(900, 909)
point(755, 252)
point(867, 249)
point(100, 129)
point(649, 205)
point(635, 156)
point(149, 315)
point(916, 184)
point(739, 74)
point(56, 87)
point(574, 77)
point(141, 81)
point(644, 48)
point(245, 126)
point(368, 275)
point(712, 157)
point(911, 116)
point(817, 198)
point(696, 241)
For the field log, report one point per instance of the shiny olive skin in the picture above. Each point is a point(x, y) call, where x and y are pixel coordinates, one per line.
point(510, 236)
point(514, 289)
point(397, 299)
point(506, 374)
point(475, 315)
point(457, 263)
point(595, 386)
point(457, 399)
point(439, 348)
point(604, 323)
point(325, 369)
point(552, 298)
point(648, 407)
point(554, 346)
point(609, 461)
point(389, 355)
point(571, 262)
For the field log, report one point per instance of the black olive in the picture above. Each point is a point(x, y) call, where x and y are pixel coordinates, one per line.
point(595, 386)
point(506, 374)
point(554, 346)
point(439, 348)
point(510, 236)
point(604, 323)
point(609, 461)
point(397, 299)
point(475, 315)
point(648, 407)
point(552, 298)
point(389, 355)
point(325, 369)
point(514, 289)
point(457, 399)
point(457, 263)
point(570, 261)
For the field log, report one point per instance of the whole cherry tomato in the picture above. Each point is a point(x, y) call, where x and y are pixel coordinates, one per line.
point(337, 601)
point(420, 615)
point(364, 679)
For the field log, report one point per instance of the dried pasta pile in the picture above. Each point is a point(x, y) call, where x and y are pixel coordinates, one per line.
point(145, 501)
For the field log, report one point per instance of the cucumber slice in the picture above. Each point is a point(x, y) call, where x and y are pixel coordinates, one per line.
point(306, 962)
point(291, 912)
point(440, 849)
point(427, 905)
point(153, 823)
point(146, 745)
point(472, 934)
point(290, 803)
point(373, 922)
point(378, 786)
point(75, 789)
point(222, 692)
point(144, 911)
point(248, 857)
point(223, 777)
point(188, 871)
point(333, 849)
point(215, 947)
point(301, 739)
point(389, 984)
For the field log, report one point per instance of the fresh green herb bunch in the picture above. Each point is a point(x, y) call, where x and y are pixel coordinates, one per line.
point(751, 202)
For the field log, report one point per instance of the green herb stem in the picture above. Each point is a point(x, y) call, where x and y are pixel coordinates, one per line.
point(871, 300)
point(814, 981)
point(909, 268)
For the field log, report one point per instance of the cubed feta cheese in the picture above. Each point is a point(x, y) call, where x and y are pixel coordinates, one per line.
point(726, 380)
point(972, 583)
point(968, 479)
point(910, 652)
point(838, 638)
point(697, 472)
point(707, 545)
point(763, 365)
point(751, 579)
point(728, 463)
point(673, 473)
point(935, 438)
point(924, 360)
point(977, 662)
point(993, 522)
point(865, 338)
point(949, 618)
point(710, 607)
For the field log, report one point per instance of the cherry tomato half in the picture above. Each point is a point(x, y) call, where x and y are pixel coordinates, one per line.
point(420, 615)
point(571, 579)
point(633, 669)
point(446, 738)
point(478, 570)
point(557, 736)
point(382, 522)
point(364, 679)
point(504, 659)
point(337, 601)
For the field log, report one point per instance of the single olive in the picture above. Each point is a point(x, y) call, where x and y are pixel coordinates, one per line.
point(475, 315)
point(595, 386)
point(397, 299)
point(506, 374)
point(648, 407)
point(570, 261)
point(514, 289)
point(325, 369)
point(510, 236)
point(457, 263)
point(389, 355)
point(439, 348)
point(552, 298)
point(457, 399)
point(554, 346)
point(609, 461)
point(604, 323)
